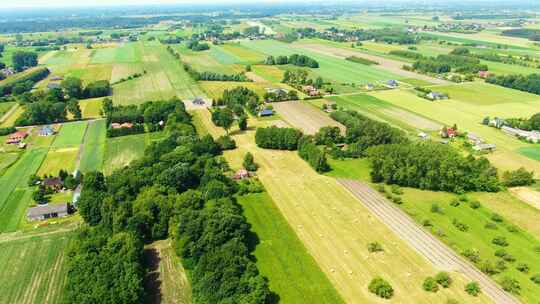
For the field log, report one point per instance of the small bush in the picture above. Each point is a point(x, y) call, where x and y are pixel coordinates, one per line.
point(491, 226)
point(512, 229)
point(488, 268)
point(443, 279)
point(459, 225)
point(509, 258)
point(472, 255)
point(497, 218)
point(500, 253)
point(463, 198)
point(454, 202)
point(473, 289)
point(430, 285)
point(397, 200)
point(500, 241)
point(536, 278)
point(375, 247)
point(511, 285)
point(522, 267)
point(475, 204)
point(381, 188)
point(436, 209)
point(396, 190)
point(381, 288)
point(427, 223)
point(500, 265)
point(226, 143)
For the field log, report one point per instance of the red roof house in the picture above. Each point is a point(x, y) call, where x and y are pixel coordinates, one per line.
point(483, 74)
point(16, 137)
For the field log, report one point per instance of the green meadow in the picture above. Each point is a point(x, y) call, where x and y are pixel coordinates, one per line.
point(94, 146)
point(70, 134)
point(120, 151)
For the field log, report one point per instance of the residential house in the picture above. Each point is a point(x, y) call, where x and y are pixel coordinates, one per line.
point(46, 131)
point(448, 133)
point(16, 137)
point(497, 122)
point(484, 147)
point(54, 183)
point(436, 96)
point(241, 174)
point(483, 74)
point(392, 84)
point(40, 213)
point(199, 101)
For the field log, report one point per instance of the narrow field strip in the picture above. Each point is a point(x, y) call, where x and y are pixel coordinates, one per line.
point(426, 244)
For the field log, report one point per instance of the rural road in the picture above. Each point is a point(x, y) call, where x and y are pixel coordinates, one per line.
point(426, 244)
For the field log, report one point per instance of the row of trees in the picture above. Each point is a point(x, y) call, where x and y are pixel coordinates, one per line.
point(47, 107)
point(528, 83)
point(447, 63)
point(23, 83)
point(528, 124)
point(212, 76)
point(280, 96)
point(278, 138)
point(24, 59)
point(178, 189)
point(295, 59)
point(197, 46)
point(73, 87)
point(312, 154)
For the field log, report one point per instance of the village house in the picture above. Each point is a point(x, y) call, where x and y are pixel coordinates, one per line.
point(474, 139)
point(125, 125)
point(46, 131)
point(241, 174)
point(57, 78)
point(54, 183)
point(530, 136)
point(199, 101)
point(311, 90)
point(277, 91)
point(497, 122)
point(484, 147)
point(423, 135)
point(40, 213)
point(392, 84)
point(448, 133)
point(370, 86)
point(266, 112)
point(16, 137)
point(483, 74)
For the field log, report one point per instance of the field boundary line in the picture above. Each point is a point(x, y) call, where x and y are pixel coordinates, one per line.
point(9, 113)
point(422, 241)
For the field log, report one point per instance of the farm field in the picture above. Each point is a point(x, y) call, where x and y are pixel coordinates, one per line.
point(59, 159)
point(281, 256)
point(94, 146)
point(7, 159)
point(336, 228)
point(166, 281)
point(467, 110)
point(305, 117)
point(70, 134)
point(120, 151)
point(5, 107)
point(91, 108)
point(14, 210)
point(381, 110)
point(33, 269)
point(331, 67)
point(215, 89)
point(9, 120)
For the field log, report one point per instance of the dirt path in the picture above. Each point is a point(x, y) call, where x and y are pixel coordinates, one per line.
point(425, 243)
point(527, 195)
point(304, 116)
point(390, 65)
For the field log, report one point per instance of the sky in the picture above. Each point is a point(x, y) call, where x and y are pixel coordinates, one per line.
point(74, 3)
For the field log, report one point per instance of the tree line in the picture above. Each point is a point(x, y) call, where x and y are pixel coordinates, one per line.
point(449, 63)
point(180, 189)
point(527, 83)
point(20, 84)
point(73, 87)
point(45, 107)
point(295, 59)
point(212, 76)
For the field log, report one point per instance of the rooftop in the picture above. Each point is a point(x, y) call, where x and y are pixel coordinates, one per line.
point(47, 209)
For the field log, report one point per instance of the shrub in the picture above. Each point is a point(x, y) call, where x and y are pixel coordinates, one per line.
point(396, 190)
point(397, 200)
point(248, 163)
point(375, 247)
point(500, 253)
point(427, 223)
point(443, 279)
point(490, 225)
point(473, 289)
point(472, 255)
point(380, 188)
point(475, 204)
point(454, 202)
point(500, 241)
point(512, 228)
point(497, 218)
point(436, 208)
point(500, 265)
point(226, 143)
point(522, 267)
point(536, 278)
point(488, 268)
point(519, 177)
point(430, 284)
point(381, 288)
point(459, 225)
point(463, 198)
point(511, 285)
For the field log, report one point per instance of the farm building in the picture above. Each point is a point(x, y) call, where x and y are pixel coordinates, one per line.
point(54, 183)
point(198, 101)
point(40, 213)
point(53, 85)
point(531, 136)
point(241, 174)
point(436, 96)
point(497, 122)
point(46, 131)
point(484, 147)
point(483, 74)
point(423, 135)
point(266, 112)
point(474, 139)
point(16, 137)
point(277, 91)
point(126, 125)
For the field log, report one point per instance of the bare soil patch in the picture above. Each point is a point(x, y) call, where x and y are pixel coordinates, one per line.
point(528, 195)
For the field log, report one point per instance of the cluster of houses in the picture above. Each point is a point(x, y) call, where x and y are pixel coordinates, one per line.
point(530, 136)
point(390, 84)
point(479, 144)
point(311, 91)
point(17, 139)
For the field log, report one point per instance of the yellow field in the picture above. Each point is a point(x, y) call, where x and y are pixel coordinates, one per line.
point(91, 108)
point(57, 160)
point(215, 89)
point(336, 228)
point(9, 121)
point(243, 53)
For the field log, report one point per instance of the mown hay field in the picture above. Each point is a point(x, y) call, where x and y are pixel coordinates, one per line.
point(215, 89)
point(5, 107)
point(120, 151)
point(59, 159)
point(91, 108)
point(94, 146)
point(281, 257)
point(336, 228)
point(33, 269)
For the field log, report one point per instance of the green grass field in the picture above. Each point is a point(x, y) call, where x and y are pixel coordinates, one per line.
point(480, 94)
point(94, 146)
point(331, 68)
point(91, 108)
point(532, 152)
point(281, 257)
point(4, 107)
point(17, 177)
point(16, 206)
point(120, 151)
point(71, 134)
point(7, 159)
point(33, 269)
point(124, 53)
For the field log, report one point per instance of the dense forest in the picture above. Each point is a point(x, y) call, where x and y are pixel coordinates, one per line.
point(528, 83)
point(178, 189)
point(23, 83)
point(295, 59)
point(531, 34)
point(45, 107)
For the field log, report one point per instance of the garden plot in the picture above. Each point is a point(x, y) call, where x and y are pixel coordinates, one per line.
point(305, 117)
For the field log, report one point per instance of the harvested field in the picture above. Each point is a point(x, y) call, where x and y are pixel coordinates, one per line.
point(93, 146)
point(426, 244)
point(336, 229)
point(305, 116)
point(528, 195)
point(389, 65)
point(59, 159)
point(120, 151)
point(91, 108)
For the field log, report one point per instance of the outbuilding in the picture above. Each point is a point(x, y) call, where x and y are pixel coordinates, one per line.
point(44, 212)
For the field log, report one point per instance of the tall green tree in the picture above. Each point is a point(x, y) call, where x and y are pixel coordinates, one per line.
point(73, 87)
